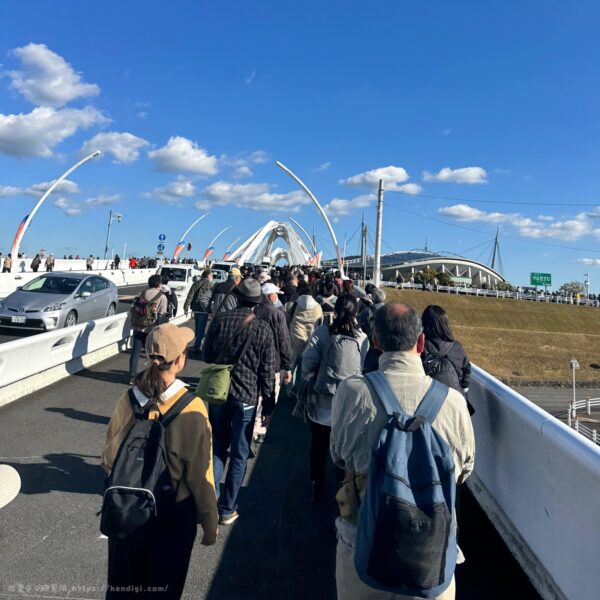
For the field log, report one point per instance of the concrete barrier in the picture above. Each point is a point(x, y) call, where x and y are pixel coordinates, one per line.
point(34, 362)
point(538, 482)
point(10, 281)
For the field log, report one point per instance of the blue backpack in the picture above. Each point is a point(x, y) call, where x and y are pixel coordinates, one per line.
point(406, 535)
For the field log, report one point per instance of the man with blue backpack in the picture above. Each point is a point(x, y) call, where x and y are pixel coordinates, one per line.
point(405, 442)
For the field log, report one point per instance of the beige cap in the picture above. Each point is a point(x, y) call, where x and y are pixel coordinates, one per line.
point(168, 341)
point(235, 272)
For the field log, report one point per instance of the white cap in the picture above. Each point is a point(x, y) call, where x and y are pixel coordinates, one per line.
point(270, 288)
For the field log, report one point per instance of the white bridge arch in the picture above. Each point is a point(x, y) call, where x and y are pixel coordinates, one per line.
point(260, 246)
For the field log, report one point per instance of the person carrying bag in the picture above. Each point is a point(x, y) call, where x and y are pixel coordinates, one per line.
point(215, 380)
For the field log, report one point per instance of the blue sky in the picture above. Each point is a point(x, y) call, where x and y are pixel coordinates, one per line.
point(479, 115)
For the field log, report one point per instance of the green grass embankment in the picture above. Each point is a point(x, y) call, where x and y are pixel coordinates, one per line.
point(520, 341)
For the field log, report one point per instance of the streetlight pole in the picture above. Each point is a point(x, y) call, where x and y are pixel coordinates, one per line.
point(28, 218)
point(377, 258)
point(321, 211)
point(117, 217)
point(587, 285)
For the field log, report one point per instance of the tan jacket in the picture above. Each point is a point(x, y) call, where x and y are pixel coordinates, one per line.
point(307, 316)
point(189, 444)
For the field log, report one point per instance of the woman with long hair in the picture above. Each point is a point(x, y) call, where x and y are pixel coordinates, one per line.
point(158, 553)
point(440, 344)
point(334, 353)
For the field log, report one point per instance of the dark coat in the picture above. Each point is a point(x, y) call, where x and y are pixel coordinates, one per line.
point(275, 317)
point(455, 354)
point(222, 298)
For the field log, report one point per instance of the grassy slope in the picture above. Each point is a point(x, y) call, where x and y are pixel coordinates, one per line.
point(518, 340)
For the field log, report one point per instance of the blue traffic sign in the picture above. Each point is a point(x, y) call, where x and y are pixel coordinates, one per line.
point(160, 247)
point(162, 237)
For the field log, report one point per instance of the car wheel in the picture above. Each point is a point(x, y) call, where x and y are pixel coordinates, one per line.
point(112, 309)
point(71, 319)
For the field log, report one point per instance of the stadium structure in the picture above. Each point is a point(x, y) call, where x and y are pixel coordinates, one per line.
point(402, 267)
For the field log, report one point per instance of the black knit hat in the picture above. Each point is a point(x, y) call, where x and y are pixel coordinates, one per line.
point(250, 291)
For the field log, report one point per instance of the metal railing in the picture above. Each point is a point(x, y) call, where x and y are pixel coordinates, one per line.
point(470, 291)
point(573, 421)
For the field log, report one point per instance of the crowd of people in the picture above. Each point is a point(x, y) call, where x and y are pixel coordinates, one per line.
point(312, 339)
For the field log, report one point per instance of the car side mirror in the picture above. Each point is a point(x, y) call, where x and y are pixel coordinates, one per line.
point(19, 287)
point(85, 295)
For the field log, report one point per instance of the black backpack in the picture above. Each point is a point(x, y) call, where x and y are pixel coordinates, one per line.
point(439, 367)
point(139, 486)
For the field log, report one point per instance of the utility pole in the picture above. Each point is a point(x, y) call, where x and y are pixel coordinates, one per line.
point(363, 248)
point(377, 262)
point(111, 215)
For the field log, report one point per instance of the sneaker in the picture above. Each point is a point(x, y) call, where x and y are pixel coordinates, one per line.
point(228, 519)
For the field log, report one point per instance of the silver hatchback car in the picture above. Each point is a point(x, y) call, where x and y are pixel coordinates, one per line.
point(56, 300)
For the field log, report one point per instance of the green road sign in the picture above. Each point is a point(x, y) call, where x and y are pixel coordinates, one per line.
point(544, 279)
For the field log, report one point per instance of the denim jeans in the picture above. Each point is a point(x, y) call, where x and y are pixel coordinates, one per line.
point(232, 424)
point(200, 321)
point(139, 340)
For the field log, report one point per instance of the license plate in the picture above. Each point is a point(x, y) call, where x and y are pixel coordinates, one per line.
point(18, 320)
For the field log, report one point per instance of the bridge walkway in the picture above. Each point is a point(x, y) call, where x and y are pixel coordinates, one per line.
point(281, 547)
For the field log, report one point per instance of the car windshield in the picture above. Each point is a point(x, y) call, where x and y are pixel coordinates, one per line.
point(52, 285)
point(174, 274)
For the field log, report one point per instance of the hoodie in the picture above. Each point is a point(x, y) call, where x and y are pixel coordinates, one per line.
point(305, 315)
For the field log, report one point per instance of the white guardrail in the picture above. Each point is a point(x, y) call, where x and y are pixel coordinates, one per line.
point(537, 480)
point(32, 363)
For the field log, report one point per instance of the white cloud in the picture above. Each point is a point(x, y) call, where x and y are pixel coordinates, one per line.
point(66, 186)
point(323, 167)
point(502, 171)
point(102, 200)
point(9, 191)
point(410, 188)
point(470, 175)
point(248, 80)
point(70, 209)
point(181, 154)
point(243, 171)
point(392, 177)
point(567, 230)
point(258, 157)
point(339, 207)
point(142, 115)
point(38, 132)
point(46, 79)
point(124, 147)
point(547, 218)
point(256, 196)
point(590, 262)
point(175, 191)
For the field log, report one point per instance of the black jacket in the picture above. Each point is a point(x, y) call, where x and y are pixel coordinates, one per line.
point(456, 355)
point(290, 293)
point(275, 317)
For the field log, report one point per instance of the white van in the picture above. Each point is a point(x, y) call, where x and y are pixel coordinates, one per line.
point(181, 278)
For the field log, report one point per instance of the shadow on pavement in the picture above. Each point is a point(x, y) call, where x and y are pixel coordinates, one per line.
point(110, 376)
point(61, 473)
point(282, 546)
point(80, 415)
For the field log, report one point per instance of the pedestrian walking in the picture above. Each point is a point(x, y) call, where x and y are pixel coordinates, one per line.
point(223, 298)
point(275, 318)
point(334, 353)
point(146, 312)
point(198, 299)
point(50, 263)
point(359, 417)
point(117, 261)
point(444, 357)
point(236, 337)
point(327, 301)
point(372, 302)
point(35, 263)
point(157, 553)
point(7, 266)
point(304, 315)
point(89, 262)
